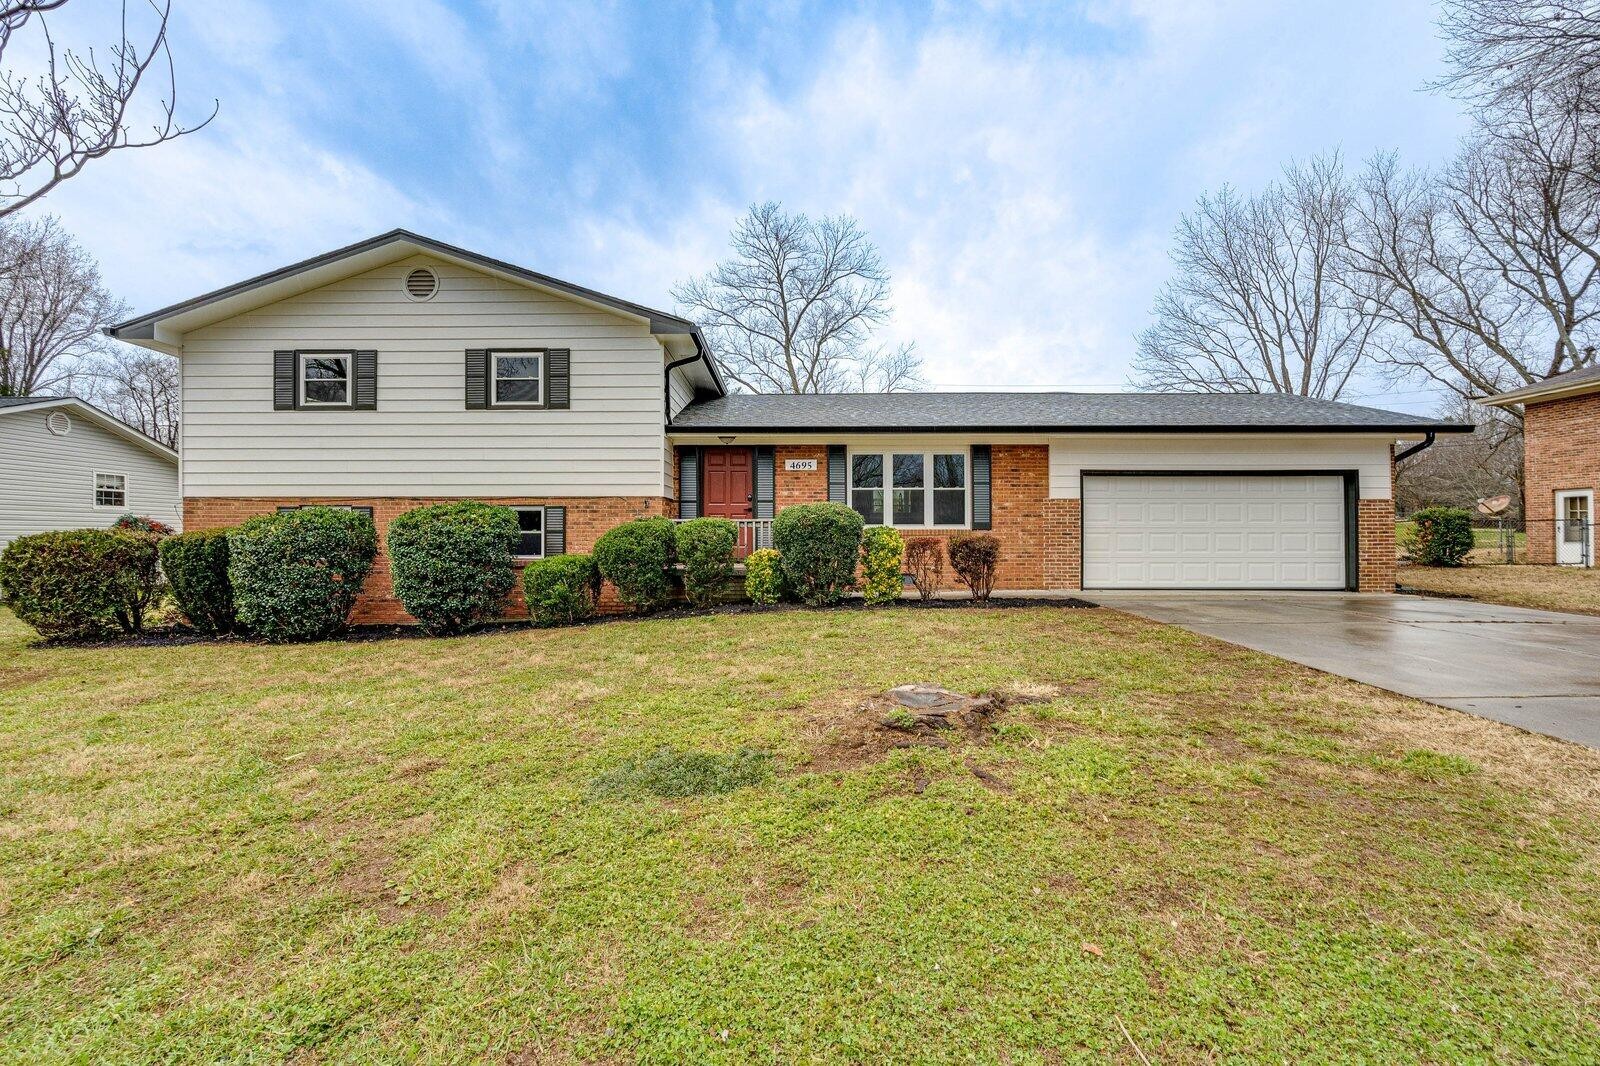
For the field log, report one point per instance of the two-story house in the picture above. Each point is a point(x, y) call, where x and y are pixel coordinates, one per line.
point(402, 371)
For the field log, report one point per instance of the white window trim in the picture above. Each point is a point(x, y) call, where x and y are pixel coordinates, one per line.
point(543, 530)
point(543, 355)
point(349, 357)
point(95, 483)
point(887, 455)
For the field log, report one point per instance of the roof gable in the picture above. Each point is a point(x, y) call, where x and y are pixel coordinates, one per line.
point(13, 405)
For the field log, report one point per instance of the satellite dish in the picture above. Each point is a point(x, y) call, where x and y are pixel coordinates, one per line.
point(1494, 504)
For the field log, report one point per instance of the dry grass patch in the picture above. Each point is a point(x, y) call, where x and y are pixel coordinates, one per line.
point(1546, 588)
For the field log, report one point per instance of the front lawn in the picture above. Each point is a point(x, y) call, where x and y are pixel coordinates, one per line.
point(1549, 588)
point(448, 849)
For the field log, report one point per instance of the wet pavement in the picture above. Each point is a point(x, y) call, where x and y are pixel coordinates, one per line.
point(1539, 670)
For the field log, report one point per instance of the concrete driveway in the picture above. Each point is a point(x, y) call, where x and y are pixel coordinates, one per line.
point(1539, 670)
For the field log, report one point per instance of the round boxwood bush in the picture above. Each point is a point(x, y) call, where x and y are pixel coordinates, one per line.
point(1441, 536)
point(634, 557)
point(81, 582)
point(296, 574)
point(196, 565)
point(882, 551)
point(453, 564)
point(705, 548)
point(562, 589)
point(763, 577)
point(819, 543)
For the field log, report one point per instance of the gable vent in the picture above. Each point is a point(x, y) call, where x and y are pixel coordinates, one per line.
point(58, 423)
point(421, 284)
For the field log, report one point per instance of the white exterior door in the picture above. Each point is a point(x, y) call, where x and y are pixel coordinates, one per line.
point(1575, 528)
point(1220, 531)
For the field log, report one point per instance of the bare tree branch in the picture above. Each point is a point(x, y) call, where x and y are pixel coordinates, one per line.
point(138, 386)
point(794, 309)
point(52, 307)
point(52, 124)
point(1261, 301)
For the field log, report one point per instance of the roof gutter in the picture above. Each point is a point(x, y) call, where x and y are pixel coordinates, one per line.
point(666, 375)
point(1422, 445)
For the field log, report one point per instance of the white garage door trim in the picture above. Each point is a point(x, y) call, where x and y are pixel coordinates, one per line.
point(1218, 529)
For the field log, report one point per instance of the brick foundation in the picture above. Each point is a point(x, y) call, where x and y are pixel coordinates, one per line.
point(587, 518)
point(1562, 452)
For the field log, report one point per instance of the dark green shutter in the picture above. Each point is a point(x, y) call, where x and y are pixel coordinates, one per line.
point(558, 375)
point(477, 379)
point(688, 482)
point(765, 489)
point(982, 497)
point(838, 486)
point(366, 398)
point(283, 390)
point(555, 530)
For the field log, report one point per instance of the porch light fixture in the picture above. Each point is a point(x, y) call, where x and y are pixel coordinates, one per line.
point(726, 440)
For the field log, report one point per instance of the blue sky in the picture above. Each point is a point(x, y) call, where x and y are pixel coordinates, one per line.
point(1021, 166)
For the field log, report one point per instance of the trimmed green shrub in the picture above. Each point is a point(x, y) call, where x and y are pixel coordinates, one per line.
point(634, 557)
point(925, 564)
point(763, 577)
point(296, 574)
point(705, 548)
point(819, 543)
point(1441, 536)
point(882, 551)
point(673, 774)
point(81, 582)
point(453, 563)
point(196, 565)
point(975, 557)
point(562, 589)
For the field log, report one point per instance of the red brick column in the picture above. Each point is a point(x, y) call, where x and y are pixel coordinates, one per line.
point(1375, 561)
point(1063, 536)
point(587, 518)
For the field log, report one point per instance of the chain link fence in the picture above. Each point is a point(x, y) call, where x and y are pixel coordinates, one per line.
point(1515, 541)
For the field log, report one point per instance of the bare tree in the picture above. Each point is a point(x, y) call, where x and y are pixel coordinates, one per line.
point(1488, 270)
point(52, 307)
point(1501, 52)
point(794, 309)
point(140, 387)
point(1463, 468)
point(76, 109)
point(1261, 301)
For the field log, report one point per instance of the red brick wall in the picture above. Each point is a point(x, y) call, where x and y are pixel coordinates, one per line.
point(587, 518)
point(1562, 441)
point(1375, 539)
point(1020, 484)
point(1063, 553)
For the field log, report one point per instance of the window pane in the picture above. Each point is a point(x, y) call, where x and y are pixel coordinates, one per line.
point(530, 544)
point(869, 505)
point(908, 471)
point(516, 366)
point(516, 390)
point(949, 507)
point(327, 392)
point(866, 472)
point(110, 490)
point(908, 506)
point(949, 471)
point(324, 368)
point(530, 521)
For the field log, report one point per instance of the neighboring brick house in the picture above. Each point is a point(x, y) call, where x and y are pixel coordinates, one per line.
point(402, 371)
point(1561, 464)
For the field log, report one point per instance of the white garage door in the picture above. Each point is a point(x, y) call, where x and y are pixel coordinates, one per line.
point(1143, 531)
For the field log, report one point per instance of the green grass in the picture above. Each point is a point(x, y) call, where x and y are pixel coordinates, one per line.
point(394, 851)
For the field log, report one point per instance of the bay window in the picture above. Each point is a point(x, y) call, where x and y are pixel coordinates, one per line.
point(923, 488)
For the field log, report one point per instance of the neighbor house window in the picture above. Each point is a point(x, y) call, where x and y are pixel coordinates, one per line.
point(909, 488)
point(518, 378)
point(325, 379)
point(530, 527)
point(110, 490)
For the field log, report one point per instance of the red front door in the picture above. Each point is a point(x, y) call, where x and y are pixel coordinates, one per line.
point(728, 490)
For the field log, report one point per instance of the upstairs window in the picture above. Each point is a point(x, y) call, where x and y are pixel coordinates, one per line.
point(923, 488)
point(110, 490)
point(518, 378)
point(325, 379)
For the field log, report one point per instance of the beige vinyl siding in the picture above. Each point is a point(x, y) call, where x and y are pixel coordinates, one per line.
point(422, 440)
point(1367, 455)
point(47, 482)
point(680, 392)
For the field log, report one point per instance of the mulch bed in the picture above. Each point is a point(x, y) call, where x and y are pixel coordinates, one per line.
point(180, 635)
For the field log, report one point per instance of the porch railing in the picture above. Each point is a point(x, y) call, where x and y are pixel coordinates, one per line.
point(754, 534)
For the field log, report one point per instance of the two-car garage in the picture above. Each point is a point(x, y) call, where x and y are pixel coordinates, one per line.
point(1233, 530)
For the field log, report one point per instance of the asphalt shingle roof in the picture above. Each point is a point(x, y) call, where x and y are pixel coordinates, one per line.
point(1043, 411)
point(1581, 376)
